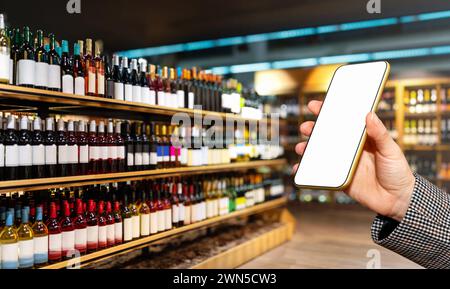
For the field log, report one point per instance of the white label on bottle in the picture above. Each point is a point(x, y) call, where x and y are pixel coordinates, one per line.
point(153, 223)
point(118, 90)
point(225, 98)
point(79, 85)
point(10, 256)
point(84, 154)
point(38, 153)
point(181, 213)
point(81, 237)
point(110, 234)
point(136, 94)
point(91, 82)
point(11, 155)
point(54, 242)
point(180, 94)
point(5, 66)
point(136, 226)
point(62, 154)
point(187, 214)
point(128, 92)
point(121, 152)
point(11, 80)
point(94, 152)
point(161, 220)
point(153, 158)
point(26, 252)
point(26, 73)
point(68, 241)
point(152, 97)
point(168, 219)
point(112, 152)
point(100, 83)
point(145, 95)
point(174, 100)
point(25, 155)
point(146, 158)
point(102, 234)
point(72, 154)
point(175, 214)
point(130, 159)
point(209, 209)
point(191, 100)
point(118, 231)
point(50, 155)
point(194, 213)
point(138, 159)
point(184, 156)
point(223, 206)
point(92, 234)
point(2, 156)
point(40, 248)
point(127, 229)
point(54, 76)
point(41, 74)
point(104, 152)
point(145, 224)
point(67, 84)
point(160, 98)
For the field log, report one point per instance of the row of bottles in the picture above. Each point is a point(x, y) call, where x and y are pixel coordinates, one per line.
point(422, 100)
point(49, 226)
point(421, 132)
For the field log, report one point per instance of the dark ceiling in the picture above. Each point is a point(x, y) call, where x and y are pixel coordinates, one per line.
point(140, 23)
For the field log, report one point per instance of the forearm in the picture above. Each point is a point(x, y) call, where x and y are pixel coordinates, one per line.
point(423, 235)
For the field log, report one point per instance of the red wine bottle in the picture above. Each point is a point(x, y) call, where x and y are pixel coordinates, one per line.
point(102, 149)
point(112, 148)
point(145, 146)
point(93, 148)
point(54, 69)
point(110, 234)
point(38, 150)
point(102, 229)
point(54, 236)
point(153, 145)
point(83, 149)
point(68, 233)
point(120, 147)
point(61, 141)
point(80, 228)
point(72, 149)
point(92, 227)
point(50, 149)
point(11, 150)
point(66, 69)
point(129, 146)
point(118, 226)
point(137, 142)
point(25, 150)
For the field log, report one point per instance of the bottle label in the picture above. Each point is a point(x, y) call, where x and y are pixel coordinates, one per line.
point(92, 236)
point(40, 249)
point(194, 213)
point(145, 224)
point(160, 98)
point(91, 80)
point(180, 98)
point(72, 154)
point(128, 92)
point(127, 229)
point(153, 158)
point(223, 206)
point(26, 253)
point(81, 239)
point(146, 158)
point(67, 84)
point(10, 256)
point(136, 93)
point(54, 243)
point(110, 88)
point(121, 152)
point(153, 223)
point(209, 209)
point(225, 98)
point(62, 154)
point(38, 153)
point(145, 95)
point(166, 153)
point(100, 83)
point(84, 154)
point(152, 97)
point(161, 221)
point(168, 219)
point(110, 234)
point(41, 74)
point(174, 100)
point(160, 153)
point(104, 152)
point(118, 232)
point(25, 155)
point(94, 152)
point(26, 72)
point(11, 155)
point(2, 156)
point(79, 85)
point(187, 215)
point(181, 213)
point(130, 159)
point(136, 226)
point(50, 155)
point(175, 213)
point(54, 76)
point(138, 159)
point(5, 66)
point(68, 242)
point(184, 156)
point(112, 152)
point(11, 77)
point(191, 100)
point(102, 236)
point(118, 90)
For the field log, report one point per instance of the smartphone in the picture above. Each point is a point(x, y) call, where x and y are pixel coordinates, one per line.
point(337, 139)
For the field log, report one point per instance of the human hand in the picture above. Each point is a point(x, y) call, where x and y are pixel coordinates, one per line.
point(383, 181)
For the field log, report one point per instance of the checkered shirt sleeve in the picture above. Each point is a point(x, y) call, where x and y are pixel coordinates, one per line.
point(423, 235)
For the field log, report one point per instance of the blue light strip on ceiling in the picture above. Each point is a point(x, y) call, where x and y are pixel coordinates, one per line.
point(285, 34)
point(336, 59)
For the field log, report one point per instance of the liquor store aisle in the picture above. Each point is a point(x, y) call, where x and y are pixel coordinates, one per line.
point(329, 237)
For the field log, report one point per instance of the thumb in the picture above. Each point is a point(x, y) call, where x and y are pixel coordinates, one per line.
point(377, 132)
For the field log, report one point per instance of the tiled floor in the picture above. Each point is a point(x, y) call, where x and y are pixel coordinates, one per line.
point(329, 237)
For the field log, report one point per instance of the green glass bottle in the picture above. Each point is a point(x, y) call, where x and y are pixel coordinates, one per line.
point(40, 240)
point(9, 243)
point(25, 234)
point(41, 57)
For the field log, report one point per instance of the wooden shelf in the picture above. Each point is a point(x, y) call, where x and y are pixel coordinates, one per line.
point(65, 101)
point(46, 183)
point(441, 147)
point(167, 234)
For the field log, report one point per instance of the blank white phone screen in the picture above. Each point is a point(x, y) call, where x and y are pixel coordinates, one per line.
point(340, 126)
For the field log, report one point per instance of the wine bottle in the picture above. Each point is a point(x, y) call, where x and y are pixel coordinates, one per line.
point(161, 214)
point(67, 232)
point(153, 145)
point(40, 239)
point(112, 148)
point(117, 79)
point(50, 148)
point(25, 238)
point(18, 213)
point(93, 148)
point(167, 206)
point(80, 228)
point(129, 146)
point(110, 226)
point(187, 205)
point(102, 229)
point(2, 154)
point(134, 214)
point(151, 84)
point(78, 70)
point(83, 149)
point(137, 143)
point(118, 224)
point(109, 80)
point(61, 141)
point(15, 56)
point(174, 89)
point(126, 80)
point(4, 53)
point(181, 205)
point(134, 79)
point(120, 148)
point(38, 150)
point(165, 147)
point(175, 202)
point(89, 70)
point(145, 146)
point(11, 142)
point(25, 150)
point(158, 84)
point(26, 64)
point(72, 149)
point(99, 69)
point(54, 69)
point(54, 237)
point(127, 221)
point(144, 214)
point(102, 149)
point(168, 96)
point(67, 69)
point(9, 245)
point(41, 58)
point(143, 82)
point(153, 213)
point(92, 227)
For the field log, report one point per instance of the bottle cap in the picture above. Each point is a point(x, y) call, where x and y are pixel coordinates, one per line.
point(110, 126)
point(58, 50)
point(39, 213)
point(116, 60)
point(37, 123)
point(76, 49)
point(125, 62)
point(11, 124)
point(65, 46)
point(118, 127)
point(2, 21)
point(101, 127)
point(25, 214)
point(92, 126)
point(134, 65)
point(24, 123)
point(61, 124)
point(81, 125)
point(70, 126)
